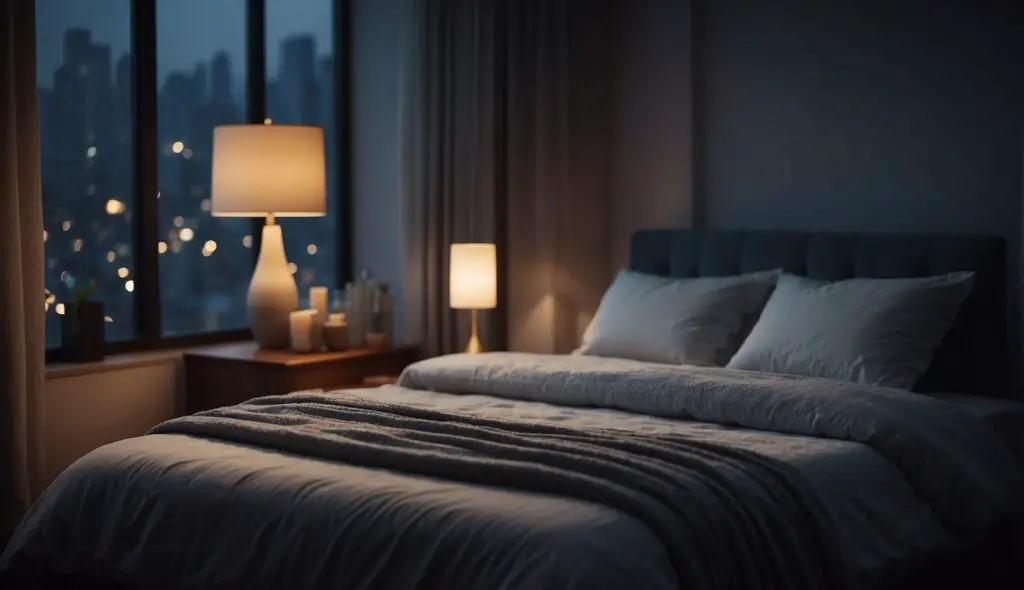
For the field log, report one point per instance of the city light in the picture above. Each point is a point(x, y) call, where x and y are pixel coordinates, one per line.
point(114, 207)
point(99, 199)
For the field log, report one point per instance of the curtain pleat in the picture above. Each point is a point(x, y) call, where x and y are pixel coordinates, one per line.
point(505, 128)
point(21, 265)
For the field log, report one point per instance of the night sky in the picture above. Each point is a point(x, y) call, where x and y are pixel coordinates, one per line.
point(189, 31)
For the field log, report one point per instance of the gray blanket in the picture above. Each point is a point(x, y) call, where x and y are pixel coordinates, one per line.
point(954, 462)
point(728, 518)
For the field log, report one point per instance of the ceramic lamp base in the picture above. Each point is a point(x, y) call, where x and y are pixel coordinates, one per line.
point(273, 294)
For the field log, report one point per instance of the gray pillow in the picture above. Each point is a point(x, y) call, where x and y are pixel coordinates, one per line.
point(871, 331)
point(697, 321)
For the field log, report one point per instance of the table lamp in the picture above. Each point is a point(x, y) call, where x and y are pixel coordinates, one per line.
point(269, 171)
point(473, 283)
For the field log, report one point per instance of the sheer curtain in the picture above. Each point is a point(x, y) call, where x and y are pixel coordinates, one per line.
point(21, 265)
point(505, 128)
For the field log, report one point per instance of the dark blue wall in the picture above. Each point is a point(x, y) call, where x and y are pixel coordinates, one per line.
point(862, 115)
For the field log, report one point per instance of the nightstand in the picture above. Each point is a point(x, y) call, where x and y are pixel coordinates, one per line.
point(231, 374)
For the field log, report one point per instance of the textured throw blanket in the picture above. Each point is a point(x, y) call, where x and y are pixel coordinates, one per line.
point(727, 518)
point(955, 463)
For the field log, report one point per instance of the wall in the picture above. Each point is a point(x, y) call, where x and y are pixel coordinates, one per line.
point(652, 159)
point(863, 115)
point(86, 411)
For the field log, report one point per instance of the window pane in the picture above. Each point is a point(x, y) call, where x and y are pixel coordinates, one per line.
point(300, 90)
point(85, 91)
point(205, 262)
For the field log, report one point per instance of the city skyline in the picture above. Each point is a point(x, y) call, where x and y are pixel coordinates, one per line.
point(205, 28)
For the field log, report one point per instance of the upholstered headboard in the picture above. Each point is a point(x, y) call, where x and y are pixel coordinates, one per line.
point(975, 355)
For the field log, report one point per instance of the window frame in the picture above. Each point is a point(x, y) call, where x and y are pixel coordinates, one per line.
point(145, 236)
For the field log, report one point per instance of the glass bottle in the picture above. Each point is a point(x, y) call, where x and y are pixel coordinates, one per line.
point(384, 310)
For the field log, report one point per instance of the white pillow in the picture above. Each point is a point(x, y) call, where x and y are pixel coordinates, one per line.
point(694, 321)
point(871, 331)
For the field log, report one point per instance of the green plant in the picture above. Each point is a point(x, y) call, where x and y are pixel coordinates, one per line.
point(81, 296)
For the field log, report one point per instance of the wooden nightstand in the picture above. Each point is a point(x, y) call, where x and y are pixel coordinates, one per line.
point(230, 374)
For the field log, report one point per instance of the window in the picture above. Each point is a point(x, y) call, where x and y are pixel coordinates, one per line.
point(300, 90)
point(85, 91)
point(201, 85)
point(129, 94)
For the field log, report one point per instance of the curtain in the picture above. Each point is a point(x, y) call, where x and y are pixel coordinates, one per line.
point(21, 265)
point(505, 139)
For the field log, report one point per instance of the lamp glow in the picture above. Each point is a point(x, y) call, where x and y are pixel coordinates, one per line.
point(473, 283)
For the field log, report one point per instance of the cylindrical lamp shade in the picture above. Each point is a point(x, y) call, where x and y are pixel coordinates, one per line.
point(473, 277)
point(261, 169)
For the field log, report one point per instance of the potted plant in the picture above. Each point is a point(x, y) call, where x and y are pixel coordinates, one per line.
point(82, 327)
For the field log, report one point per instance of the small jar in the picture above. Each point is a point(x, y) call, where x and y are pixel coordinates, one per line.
point(335, 332)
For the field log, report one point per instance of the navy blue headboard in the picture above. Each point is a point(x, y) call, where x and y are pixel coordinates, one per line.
point(975, 355)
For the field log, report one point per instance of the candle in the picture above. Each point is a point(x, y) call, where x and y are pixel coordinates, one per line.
point(318, 301)
point(301, 323)
point(336, 332)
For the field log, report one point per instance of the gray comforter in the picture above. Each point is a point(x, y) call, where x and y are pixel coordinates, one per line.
point(604, 498)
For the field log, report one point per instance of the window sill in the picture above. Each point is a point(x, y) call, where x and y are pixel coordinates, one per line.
point(114, 362)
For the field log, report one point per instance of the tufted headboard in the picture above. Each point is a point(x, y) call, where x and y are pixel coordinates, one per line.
point(975, 355)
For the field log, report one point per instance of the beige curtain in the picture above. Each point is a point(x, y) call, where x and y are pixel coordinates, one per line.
point(505, 126)
point(21, 265)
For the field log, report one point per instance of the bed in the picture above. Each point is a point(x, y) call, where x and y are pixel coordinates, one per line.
point(511, 470)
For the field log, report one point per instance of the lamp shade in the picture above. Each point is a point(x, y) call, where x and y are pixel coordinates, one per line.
point(261, 169)
point(473, 277)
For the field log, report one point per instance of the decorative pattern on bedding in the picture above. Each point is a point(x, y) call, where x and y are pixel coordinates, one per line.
point(728, 518)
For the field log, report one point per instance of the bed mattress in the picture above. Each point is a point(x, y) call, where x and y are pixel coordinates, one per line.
point(171, 503)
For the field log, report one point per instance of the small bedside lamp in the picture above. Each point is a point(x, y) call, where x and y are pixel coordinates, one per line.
point(269, 171)
point(473, 283)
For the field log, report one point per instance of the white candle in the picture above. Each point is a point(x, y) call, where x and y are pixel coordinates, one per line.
point(318, 301)
point(301, 323)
